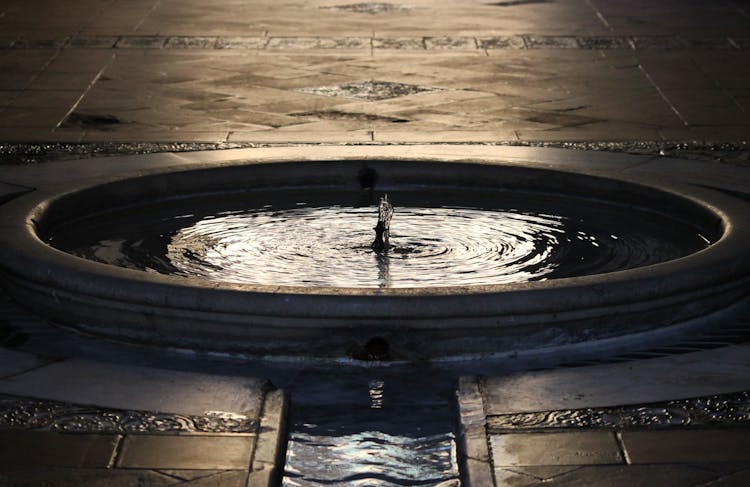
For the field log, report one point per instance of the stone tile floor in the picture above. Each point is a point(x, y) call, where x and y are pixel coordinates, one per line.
point(648, 444)
point(638, 76)
point(275, 72)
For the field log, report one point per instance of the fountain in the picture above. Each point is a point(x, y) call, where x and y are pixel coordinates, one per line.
point(381, 244)
point(275, 258)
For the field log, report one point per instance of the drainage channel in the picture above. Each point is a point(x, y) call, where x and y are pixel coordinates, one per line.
point(384, 427)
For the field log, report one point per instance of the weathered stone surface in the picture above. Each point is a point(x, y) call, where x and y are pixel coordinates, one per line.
point(687, 446)
point(569, 448)
point(138, 388)
point(24, 450)
point(674, 377)
point(220, 452)
point(77, 477)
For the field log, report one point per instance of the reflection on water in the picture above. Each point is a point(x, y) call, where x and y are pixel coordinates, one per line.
point(369, 458)
point(329, 246)
point(382, 427)
point(315, 243)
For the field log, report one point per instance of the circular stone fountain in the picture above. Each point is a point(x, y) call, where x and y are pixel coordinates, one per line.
point(275, 258)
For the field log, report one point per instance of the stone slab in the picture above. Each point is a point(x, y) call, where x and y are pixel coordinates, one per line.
point(138, 388)
point(568, 448)
point(687, 446)
point(12, 362)
point(675, 377)
point(230, 452)
point(706, 173)
point(23, 449)
point(77, 477)
point(610, 476)
point(9, 191)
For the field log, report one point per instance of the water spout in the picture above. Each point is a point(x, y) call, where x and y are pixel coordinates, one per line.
point(382, 229)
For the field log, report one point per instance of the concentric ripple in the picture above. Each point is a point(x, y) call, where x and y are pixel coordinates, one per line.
point(328, 245)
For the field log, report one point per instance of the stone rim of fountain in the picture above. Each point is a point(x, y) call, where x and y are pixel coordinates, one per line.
point(423, 322)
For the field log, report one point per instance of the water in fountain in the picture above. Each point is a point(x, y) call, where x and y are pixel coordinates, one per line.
point(320, 238)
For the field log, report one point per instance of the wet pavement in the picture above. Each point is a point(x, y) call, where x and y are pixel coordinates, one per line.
point(422, 71)
point(665, 78)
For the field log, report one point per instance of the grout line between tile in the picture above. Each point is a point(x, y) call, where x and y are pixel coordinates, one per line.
point(116, 451)
point(599, 15)
point(148, 14)
point(662, 95)
point(86, 91)
point(621, 447)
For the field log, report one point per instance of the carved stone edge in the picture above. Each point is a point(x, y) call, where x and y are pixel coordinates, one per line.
point(270, 449)
point(473, 449)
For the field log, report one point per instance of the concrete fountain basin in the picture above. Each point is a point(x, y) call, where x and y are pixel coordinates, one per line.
point(416, 322)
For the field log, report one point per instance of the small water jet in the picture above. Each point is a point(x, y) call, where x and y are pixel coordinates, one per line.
point(382, 229)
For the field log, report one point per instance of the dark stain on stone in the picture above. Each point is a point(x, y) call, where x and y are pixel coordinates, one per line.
point(10, 337)
point(86, 120)
point(376, 349)
point(560, 118)
point(368, 8)
point(339, 115)
point(513, 3)
point(370, 90)
point(367, 177)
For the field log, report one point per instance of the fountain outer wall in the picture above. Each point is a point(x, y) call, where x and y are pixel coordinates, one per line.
point(417, 322)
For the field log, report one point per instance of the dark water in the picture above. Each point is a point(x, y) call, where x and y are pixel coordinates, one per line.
point(323, 239)
point(389, 426)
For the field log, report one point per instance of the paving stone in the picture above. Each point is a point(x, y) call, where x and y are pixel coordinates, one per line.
point(737, 479)
point(241, 43)
point(318, 43)
point(674, 377)
point(54, 81)
point(138, 388)
point(192, 42)
point(554, 42)
point(544, 473)
point(80, 60)
point(78, 477)
point(632, 476)
point(12, 362)
point(708, 43)
point(141, 42)
point(280, 137)
point(569, 448)
point(600, 42)
point(657, 42)
point(505, 477)
point(24, 449)
point(465, 43)
point(501, 42)
point(23, 43)
point(398, 43)
point(687, 446)
point(41, 118)
point(230, 452)
point(101, 42)
point(232, 478)
point(368, 7)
